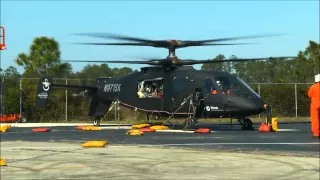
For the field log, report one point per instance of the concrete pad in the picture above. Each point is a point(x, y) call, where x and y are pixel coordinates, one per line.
point(42, 160)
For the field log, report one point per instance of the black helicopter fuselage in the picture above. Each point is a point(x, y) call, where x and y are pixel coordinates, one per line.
point(154, 90)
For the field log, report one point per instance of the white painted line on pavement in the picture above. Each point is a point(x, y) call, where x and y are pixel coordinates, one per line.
point(58, 124)
point(204, 144)
point(288, 130)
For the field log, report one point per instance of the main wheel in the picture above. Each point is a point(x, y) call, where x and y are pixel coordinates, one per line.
point(23, 120)
point(247, 124)
point(96, 121)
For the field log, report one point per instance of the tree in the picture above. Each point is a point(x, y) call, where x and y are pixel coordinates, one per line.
point(214, 66)
point(11, 90)
point(43, 59)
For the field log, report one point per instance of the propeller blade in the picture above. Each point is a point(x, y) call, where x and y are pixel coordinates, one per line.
point(192, 62)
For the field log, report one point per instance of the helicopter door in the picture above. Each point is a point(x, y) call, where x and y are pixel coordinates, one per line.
point(211, 93)
point(179, 92)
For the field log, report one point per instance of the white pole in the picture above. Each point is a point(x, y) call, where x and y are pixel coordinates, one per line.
point(296, 98)
point(259, 95)
point(20, 97)
point(118, 114)
point(66, 102)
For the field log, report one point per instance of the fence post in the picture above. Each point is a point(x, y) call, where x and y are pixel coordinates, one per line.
point(296, 98)
point(259, 94)
point(3, 95)
point(66, 101)
point(20, 97)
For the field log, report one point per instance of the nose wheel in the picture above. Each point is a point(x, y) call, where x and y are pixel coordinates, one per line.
point(96, 121)
point(246, 124)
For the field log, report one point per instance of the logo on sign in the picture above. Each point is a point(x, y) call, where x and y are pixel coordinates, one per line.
point(46, 85)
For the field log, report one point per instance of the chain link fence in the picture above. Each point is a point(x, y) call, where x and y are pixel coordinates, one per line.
point(286, 99)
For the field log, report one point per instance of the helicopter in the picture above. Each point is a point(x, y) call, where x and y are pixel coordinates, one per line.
point(165, 87)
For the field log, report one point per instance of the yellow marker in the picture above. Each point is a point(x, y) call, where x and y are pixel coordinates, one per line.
point(4, 127)
point(138, 126)
point(91, 128)
point(3, 162)
point(134, 132)
point(94, 144)
point(275, 124)
point(159, 127)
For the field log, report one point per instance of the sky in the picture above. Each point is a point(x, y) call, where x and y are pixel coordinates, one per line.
point(183, 20)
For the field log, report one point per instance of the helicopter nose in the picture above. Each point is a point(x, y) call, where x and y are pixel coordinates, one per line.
point(257, 104)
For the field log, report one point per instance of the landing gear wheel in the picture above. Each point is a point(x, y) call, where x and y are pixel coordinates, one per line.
point(96, 121)
point(247, 124)
point(189, 124)
point(23, 120)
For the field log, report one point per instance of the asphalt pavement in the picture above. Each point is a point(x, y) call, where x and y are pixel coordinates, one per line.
point(293, 138)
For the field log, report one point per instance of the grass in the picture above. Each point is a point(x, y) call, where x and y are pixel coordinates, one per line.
point(179, 121)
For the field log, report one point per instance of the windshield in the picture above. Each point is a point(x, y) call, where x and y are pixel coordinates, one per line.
point(226, 83)
point(248, 87)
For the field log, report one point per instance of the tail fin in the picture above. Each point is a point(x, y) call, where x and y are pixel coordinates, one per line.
point(44, 88)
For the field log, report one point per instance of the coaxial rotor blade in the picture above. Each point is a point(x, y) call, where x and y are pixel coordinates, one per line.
point(116, 37)
point(168, 43)
point(192, 62)
point(149, 62)
point(222, 44)
point(229, 39)
point(120, 44)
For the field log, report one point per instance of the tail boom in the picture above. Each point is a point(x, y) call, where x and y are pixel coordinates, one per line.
point(46, 84)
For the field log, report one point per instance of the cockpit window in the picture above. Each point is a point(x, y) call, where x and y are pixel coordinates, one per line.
point(208, 86)
point(225, 84)
point(248, 87)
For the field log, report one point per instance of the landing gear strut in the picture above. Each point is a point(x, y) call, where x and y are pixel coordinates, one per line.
point(96, 121)
point(246, 124)
point(190, 124)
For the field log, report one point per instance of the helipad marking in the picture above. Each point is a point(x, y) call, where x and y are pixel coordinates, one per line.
point(204, 144)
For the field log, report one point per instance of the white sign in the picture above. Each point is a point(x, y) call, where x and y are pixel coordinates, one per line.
point(43, 95)
point(112, 88)
point(46, 85)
